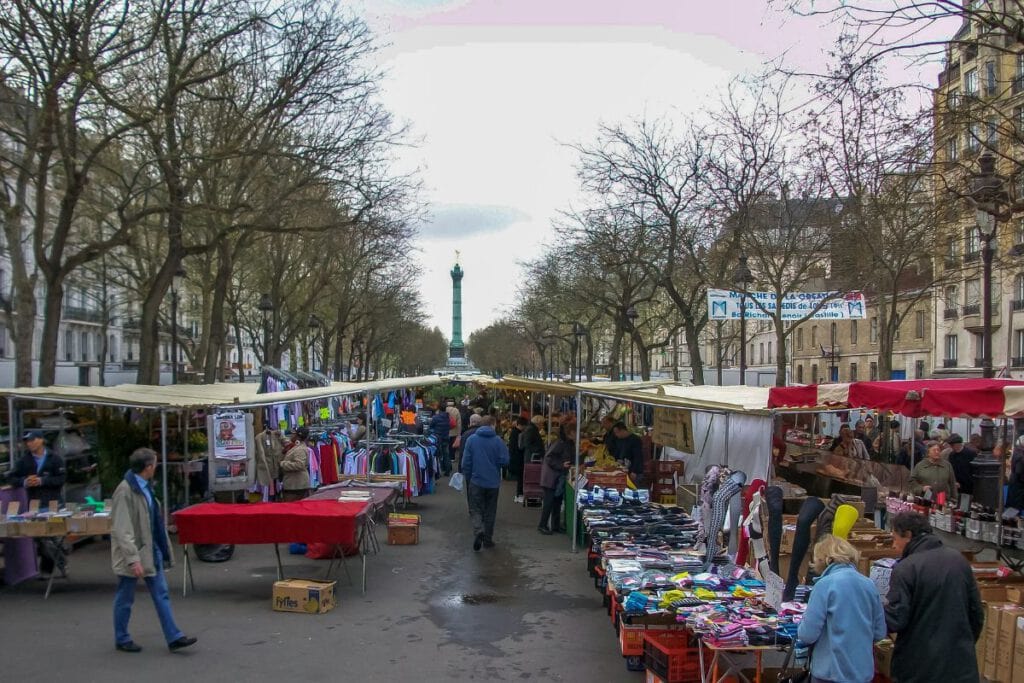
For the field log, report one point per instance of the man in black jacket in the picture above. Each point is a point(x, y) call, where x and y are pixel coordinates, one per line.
point(960, 457)
point(40, 471)
point(42, 474)
point(515, 455)
point(629, 449)
point(934, 608)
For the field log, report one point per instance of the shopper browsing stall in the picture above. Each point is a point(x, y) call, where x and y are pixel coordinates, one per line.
point(552, 481)
point(295, 467)
point(482, 459)
point(961, 457)
point(844, 616)
point(934, 607)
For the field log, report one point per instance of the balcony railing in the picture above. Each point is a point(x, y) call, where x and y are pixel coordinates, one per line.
point(949, 362)
point(972, 256)
point(949, 314)
point(951, 262)
point(82, 314)
point(979, 362)
point(972, 309)
point(1017, 304)
point(1017, 362)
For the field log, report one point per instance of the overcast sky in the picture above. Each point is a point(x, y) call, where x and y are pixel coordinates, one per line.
point(494, 88)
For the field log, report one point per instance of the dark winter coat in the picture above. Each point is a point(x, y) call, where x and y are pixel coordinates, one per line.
point(440, 424)
point(961, 463)
point(935, 611)
point(554, 463)
point(532, 444)
point(53, 474)
point(515, 451)
point(1015, 493)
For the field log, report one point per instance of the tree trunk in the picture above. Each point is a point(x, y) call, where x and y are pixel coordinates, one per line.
point(590, 358)
point(217, 325)
point(781, 362)
point(887, 326)
point(53, 299)
point(22, 313)
point(693, 344)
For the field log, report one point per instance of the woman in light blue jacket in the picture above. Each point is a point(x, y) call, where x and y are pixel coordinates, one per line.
point(844, 617)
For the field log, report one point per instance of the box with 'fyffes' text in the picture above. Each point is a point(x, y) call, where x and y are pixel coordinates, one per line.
point(304, 596)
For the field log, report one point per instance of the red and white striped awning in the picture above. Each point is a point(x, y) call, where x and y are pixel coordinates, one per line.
point(913, 398)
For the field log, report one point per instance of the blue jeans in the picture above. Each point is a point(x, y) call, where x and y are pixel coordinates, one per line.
point(125, 598)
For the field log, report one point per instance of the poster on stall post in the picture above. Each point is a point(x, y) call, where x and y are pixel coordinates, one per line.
point(229, 438)
point(673, 428)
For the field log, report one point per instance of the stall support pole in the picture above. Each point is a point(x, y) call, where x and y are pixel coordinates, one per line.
point(163, 450)
point(185, 467)
point(579, 430)
point(550, 400)
point(12, 429)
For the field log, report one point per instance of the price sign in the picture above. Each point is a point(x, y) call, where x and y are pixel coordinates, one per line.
point(673, 428)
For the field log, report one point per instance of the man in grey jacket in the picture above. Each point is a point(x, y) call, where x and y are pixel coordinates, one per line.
point(138, 548)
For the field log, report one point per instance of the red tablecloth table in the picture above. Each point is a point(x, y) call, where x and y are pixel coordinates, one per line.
point(304, 521)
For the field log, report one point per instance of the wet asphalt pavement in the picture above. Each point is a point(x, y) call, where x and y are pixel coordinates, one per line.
point(525, 610)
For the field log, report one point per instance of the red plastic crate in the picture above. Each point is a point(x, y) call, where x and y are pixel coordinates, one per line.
point(672, 656)
point(631, 639)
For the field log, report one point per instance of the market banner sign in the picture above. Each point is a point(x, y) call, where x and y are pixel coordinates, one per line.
point(673, 428)
point(724, 304)
point(230, 440)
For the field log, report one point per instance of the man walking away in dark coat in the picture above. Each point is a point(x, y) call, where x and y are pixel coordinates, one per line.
point(515, 455)
point(483, 456)
point(934, 608)
point(960, 457)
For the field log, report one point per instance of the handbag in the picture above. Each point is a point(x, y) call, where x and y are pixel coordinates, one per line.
point(794, 675)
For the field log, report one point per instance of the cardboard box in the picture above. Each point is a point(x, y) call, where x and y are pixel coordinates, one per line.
point(869, 556)
point(34, 527)
point(78, 524)
point(785, 559)
point(981, 646)
point(1015, 594)
point(304, 596)
point(56, 526)
point(99, 524)
point(1017, 668)
point(993, 612)
point(1005, 647)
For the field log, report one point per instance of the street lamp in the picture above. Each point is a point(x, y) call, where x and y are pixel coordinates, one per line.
point(339, 372)
point(632, 315)
point(579, 332)
point(266, 307)
point(177, 280)
point(988, 195)
point(549, 343)
point(314, 326)
point(741, 277)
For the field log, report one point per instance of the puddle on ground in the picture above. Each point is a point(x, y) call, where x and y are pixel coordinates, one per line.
point(473, 599)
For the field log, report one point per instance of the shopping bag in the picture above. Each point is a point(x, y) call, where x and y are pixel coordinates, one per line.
point(457, 481)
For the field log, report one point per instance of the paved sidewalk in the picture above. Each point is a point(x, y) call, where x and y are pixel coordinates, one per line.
point(526, 610)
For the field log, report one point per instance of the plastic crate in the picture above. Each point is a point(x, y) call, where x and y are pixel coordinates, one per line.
point(672, 656)
point(631, 639)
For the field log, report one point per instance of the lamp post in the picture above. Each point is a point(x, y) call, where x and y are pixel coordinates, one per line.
point(549, 343)
point(579, 332)
point(339, 372)
point(988, 195)
point(266, 307)
point(314, 326)
point(176, 282)
point(742, 276)
point(632, 315)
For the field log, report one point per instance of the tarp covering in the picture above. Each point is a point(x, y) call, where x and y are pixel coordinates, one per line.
point(913, 398)
point(728, 399)
point(180, 396)
point(543, 386)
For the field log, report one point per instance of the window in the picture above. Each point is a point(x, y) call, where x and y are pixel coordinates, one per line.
point(952, 297)
point(760, 353)
point(1018, 231)
point(814, 336)
point(853, 333)
point(971, 83)
point(130, 351)
point(918, 369)
point(951, 249)
point(952, 149)
point(770, 353)
point(69, 344)
point(991, 132)
point(899, 322)
point(972, 137)
point(952, 347)
point(85, 346)
point(800, 338)
point(972, 241)
point(1018, 80)
point(953, 99)
point(800, 374)
point(853, 372)
point(814, 373)
point(873, 372)
point(920, 324)
point(873, 331)
point(1018, 287)
point(112, 348)
point(990, 78)
point(972, 292)
point(1018, 343)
